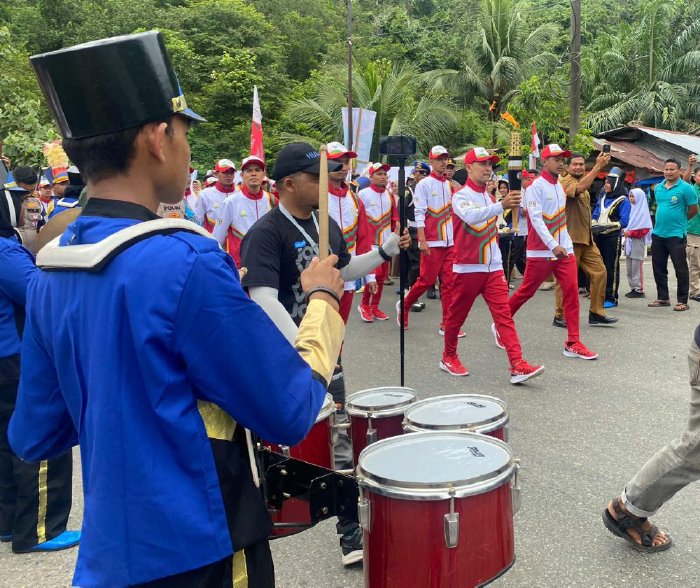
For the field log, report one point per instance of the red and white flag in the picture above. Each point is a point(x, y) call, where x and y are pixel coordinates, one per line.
point(256, 131)
point(535, 146)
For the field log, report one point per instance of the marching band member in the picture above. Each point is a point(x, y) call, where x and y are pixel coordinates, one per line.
point(169, 492)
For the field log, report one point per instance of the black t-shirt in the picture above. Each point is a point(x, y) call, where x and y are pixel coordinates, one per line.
point(275, 253)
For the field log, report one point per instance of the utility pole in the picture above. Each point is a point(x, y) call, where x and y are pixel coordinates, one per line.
point(575, 89)
point(348, 6)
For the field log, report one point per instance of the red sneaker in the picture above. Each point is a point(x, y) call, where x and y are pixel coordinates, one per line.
point(453, 366)
point(523, 371)
point(497, 337)
point(441, 331)
point(398, 316)
point(379, 315)
point(365, 313)
point(579, 350)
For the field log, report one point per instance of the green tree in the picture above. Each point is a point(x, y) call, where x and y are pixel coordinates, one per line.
point(393, 91)
point(502, 55)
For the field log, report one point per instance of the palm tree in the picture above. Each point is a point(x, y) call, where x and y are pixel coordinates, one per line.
point(503, 55)
point(648, 81)
point(394, 91)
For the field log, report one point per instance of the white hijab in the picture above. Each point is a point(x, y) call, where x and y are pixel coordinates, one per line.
point(639, 215)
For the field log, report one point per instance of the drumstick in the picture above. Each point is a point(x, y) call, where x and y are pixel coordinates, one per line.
point(323, 205)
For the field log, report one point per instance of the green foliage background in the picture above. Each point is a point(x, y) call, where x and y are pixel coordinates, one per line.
point(430, 67)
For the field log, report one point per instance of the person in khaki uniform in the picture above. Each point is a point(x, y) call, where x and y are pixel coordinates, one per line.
point(692, 249)
point(578, 221)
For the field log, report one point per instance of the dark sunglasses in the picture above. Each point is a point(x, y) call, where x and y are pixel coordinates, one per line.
point(422, 173)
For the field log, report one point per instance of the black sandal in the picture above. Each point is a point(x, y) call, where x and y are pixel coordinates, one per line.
point(626, 521)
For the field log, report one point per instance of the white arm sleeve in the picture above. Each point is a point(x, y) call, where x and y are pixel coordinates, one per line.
point(223, 223)
point(472, 212)
point(362, 265)
point(420, 203)
point(200, 209)
point(266, 298)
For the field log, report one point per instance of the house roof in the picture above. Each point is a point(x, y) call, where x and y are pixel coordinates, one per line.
point(632, 154)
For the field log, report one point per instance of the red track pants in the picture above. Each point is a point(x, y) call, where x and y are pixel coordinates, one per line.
point(494, 288)
point(566, 273)
point(346, 305)
point(437, 264)
point(381, 274)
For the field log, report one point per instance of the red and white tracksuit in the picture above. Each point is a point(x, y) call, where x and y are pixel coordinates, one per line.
point(382, 216)
point(346, 209)
point(208, 207)
point(237, 214)
point(545, 202)
point(433, 212)
point(478, 268)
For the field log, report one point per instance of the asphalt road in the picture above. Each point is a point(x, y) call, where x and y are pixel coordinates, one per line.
point(581, 431)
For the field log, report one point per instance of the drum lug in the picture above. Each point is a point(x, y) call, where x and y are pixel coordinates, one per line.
point(515, 492)
point(452, 526)
point(284, 450)
point(506, 433)
point(364, 512)
point(371, 432)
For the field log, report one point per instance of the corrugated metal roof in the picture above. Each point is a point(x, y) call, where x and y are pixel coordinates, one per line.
point(690, 143)
point(632, 154)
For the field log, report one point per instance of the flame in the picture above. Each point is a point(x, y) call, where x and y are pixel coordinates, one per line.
point(55, 155)
point(507, 116)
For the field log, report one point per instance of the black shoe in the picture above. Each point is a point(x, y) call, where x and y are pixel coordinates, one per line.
point(416, 307)
point(559, 322)
point(351, 545)
point(422, 305)
point(432, 294)
point(389, 282)
point(599, 320)
point(635, 294)
point(696, 297)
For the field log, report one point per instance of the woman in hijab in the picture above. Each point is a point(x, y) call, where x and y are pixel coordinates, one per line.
point(637, 237)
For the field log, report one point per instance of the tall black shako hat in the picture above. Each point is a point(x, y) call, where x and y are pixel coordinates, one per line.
point(124, 82)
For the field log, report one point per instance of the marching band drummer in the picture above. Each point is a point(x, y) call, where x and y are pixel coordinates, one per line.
point(280, 246)
point(169, 492)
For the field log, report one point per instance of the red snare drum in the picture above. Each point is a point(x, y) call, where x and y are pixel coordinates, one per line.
point(316, 448)
point(376, 414)
point(459, 412)
point(437, 510)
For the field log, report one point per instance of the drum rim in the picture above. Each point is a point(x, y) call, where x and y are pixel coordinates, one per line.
point(385, 411)
point(437, 491)
point(325, 412)
point(485, 426)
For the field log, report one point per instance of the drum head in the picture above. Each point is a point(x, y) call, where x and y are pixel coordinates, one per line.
point(457, 411)
point(378, 402)
point(435, 465)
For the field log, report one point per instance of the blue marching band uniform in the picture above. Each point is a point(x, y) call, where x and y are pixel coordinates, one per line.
point(144, 350)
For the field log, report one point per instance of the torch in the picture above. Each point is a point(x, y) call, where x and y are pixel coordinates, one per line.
point(515, 163)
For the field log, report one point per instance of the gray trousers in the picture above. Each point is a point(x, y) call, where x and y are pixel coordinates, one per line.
point(635, 263)
point(692, 252)
point(676, 465)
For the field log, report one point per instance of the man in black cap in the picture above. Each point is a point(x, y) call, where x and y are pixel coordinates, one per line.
point(276, 251)
point(159, 412)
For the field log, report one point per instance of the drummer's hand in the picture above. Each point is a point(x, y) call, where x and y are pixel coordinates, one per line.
point(323, 273)
point(405, 240)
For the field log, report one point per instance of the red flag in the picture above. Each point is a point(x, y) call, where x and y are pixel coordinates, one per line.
point(535, 146)
point(256, 131)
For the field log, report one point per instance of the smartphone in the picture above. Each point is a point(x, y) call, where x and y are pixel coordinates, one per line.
point(606, 148)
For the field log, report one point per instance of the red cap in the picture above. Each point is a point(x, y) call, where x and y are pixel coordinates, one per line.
point(528, 175)
point(553, 150)
point(437, 152)
point(337, 150)
point(253, 159)
point(224, 165)
point(480, 154)
point(375, 167)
